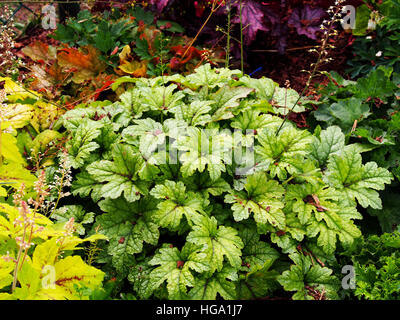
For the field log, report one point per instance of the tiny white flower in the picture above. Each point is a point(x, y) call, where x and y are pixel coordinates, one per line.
point(371, 25)
point(379, 53)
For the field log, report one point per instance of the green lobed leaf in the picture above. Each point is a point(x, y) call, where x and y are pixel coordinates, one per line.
point(217, 242)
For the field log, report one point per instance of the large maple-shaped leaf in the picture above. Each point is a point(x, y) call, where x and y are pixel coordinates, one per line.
point(251, 119)
point(346, 173)
point(279, 152)
point(12, 170)
point(14, 91)
point(14, 175)
point(128, 225)
point(81, 143)
point(177, 202)
point(161, 98)
point(9, 150)
point(279, 100)
point(343, 113)
point(202, 184)
point(255, 254)
point(139, 275)
point(195, 114)
point(284, 99)
point(253, 18)
point(70, 273)
point(217, 242)
point(310, 199)
point(257, 283)
point(45, 115)
point(132, 106)
point(86, 62)
point(208, 77)
point(39, 51)
point(262, 197)
point(72, 270)
point(330, 141)
point(330, 225)
point(304, 277)
point(175, 267)
point(225, 100)
point(85, 184)
point(307, 20)
point(121, 174)
point(376, 84)
point(317, 208)
point(150, 134)
point(17, 115)
point(204, 148)
point(264, 87)
point(221, 283)
point(99, 111)
point(47, 73)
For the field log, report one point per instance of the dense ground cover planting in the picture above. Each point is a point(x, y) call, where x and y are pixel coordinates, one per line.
point(142, 159)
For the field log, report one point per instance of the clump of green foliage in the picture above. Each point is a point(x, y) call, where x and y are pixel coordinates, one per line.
point(376, 263)
point(377, 40)
point(188, 213)
point(367, 110)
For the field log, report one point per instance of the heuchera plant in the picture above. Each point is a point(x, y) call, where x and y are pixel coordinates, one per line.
point(190, 215)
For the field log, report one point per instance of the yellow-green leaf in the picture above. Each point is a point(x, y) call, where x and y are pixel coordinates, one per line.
point(9, 149)
point(18, 115)
point(46, 253)
point(5, 268)
point(73, 270)
point(14, 91)
point(15, 174)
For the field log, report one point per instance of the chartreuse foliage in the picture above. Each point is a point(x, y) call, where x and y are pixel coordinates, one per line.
point(32, 117)
point(52, 255)
point(194, 210)
point(50, 269)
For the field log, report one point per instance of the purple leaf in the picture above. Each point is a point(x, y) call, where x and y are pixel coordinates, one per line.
point(161, 4)
point(252, 19)
point(280, 31)
point(307, 21)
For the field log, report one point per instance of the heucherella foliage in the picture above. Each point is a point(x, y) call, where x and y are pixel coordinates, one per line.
point(26, 124)
point(38, 259)
point(200, 197)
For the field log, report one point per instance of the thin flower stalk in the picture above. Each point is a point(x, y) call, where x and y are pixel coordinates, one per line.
point(25, 220)
point(215, 6)
point(328, 31)
point(228, 36)
point(63, 178)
